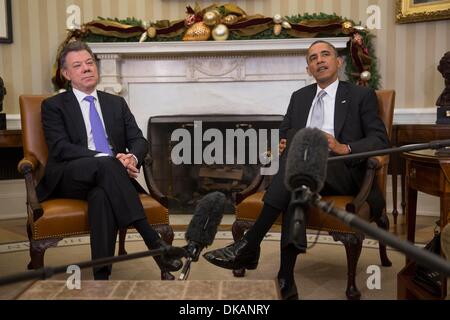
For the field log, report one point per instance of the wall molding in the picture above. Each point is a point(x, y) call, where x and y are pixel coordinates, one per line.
point(13, 122)
point(13, 199)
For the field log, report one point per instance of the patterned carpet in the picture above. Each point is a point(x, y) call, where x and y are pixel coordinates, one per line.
point(320, 274)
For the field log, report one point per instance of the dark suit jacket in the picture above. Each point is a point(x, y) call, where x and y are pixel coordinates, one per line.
point(66, 137)
point(356, 120)
point(356, 123)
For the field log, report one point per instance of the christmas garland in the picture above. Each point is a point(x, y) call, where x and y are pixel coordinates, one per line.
point(229, 22)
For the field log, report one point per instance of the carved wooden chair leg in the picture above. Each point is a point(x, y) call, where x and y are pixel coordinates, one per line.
point(238, 230)
point(383, 223)
point(122, 237)
point(353, 247)
point(37, 251)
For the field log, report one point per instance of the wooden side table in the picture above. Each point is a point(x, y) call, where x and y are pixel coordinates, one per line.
point(10, 153)
point(407, 134)
point(428, 173)
point(10, 138)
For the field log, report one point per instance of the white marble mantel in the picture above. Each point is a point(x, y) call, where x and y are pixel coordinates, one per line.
point(210, 47)
point(254, 76)
point(204, 77)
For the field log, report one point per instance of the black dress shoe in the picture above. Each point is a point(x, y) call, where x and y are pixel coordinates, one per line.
point(164, 262)
point(288, 289)
point(235, 256)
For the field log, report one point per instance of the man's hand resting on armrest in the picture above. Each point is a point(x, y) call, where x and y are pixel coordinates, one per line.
point(335, 146)
point(129, 161)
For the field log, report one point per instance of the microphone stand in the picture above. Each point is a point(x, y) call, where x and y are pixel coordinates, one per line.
point(193, 249)
point(423, 257)
point(437, 144)
point(47, 272)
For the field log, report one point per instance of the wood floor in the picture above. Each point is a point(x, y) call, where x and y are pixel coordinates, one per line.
point(15, 230)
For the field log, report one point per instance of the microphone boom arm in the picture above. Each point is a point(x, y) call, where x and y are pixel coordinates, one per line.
point(47, 272)
point(424, 257)
point(437, 144)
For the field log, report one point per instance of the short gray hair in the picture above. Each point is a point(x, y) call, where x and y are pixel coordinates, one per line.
point(74, 46)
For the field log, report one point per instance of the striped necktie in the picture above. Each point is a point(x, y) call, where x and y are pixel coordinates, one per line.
point(317, 113)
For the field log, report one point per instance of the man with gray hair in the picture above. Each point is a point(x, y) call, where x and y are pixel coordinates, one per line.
point(95, 149)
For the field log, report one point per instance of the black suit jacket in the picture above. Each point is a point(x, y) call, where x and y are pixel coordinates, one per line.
point(356, 120)
point(356, 123)
point(66, 137)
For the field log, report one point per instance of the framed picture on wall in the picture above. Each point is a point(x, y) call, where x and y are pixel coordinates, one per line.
point(422, 10)
point(6, 35)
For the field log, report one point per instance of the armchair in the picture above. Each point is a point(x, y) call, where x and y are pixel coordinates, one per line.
point(249, 204)
point(52, 220)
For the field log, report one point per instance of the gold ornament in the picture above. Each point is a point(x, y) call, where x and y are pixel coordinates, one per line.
point(211, 18)
point(365, 76)
point(286, 25)
point(198, 32)
point(230, 19)
point(277, 29)
point(277, 18)
point(151, 32)
point(347, 27)
point(220, 32)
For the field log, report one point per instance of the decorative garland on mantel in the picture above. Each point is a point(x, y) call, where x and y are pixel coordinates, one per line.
point(230, 22)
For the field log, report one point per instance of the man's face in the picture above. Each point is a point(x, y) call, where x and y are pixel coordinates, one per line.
point(323, 64)
point(81, 69)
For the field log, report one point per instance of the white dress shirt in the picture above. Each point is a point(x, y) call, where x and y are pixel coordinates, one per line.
point(329, 105)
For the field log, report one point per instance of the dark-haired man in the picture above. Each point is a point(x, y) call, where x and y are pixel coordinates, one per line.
point(95, 149)
point(348, 116)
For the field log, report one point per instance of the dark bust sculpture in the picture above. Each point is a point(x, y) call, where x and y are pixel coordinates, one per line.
point(444, 69)
point(2, 93)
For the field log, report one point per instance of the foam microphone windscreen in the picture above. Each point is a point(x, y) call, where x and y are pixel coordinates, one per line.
point(207, 216)
point(306, 162)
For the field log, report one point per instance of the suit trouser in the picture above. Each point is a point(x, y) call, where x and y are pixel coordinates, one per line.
point(341, 179)
point(113, 201)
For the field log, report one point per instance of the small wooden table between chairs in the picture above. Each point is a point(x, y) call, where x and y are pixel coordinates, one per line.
point(426, 172)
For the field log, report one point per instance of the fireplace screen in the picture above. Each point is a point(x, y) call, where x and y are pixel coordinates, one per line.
point(197, 154)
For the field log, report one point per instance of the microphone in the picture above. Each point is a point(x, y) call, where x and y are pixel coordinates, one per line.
point(306, 163)
point(203, 227)
point(306, 168)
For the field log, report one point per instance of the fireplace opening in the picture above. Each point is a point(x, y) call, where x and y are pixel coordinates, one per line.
point(186, 183)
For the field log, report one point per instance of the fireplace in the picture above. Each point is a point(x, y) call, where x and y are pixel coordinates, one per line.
point(225, 84)
point(185, 183)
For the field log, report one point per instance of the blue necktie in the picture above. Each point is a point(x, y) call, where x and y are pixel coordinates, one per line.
point(98, 132)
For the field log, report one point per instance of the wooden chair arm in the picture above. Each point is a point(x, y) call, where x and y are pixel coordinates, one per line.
point(251, 189)
point(28, 166)
point(372, 165)
point(151, 184)
point(383, 161)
